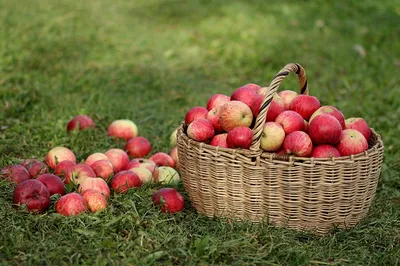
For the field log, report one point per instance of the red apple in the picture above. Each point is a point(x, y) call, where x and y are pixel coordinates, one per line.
point(103, 169)
point(146, 163)
point(80, 122)
point(171, 201)
point(95, 201)
point(305, 105)
point(244, 94)
point(306, 126)
point(35, 167)
point(59, 154)
point(256, 88)
point(95, 157)
point(174, 155)
point(119, 159)
point(277, 106)
point(325, 129)
point(71, 204)
point(138, 147)
point(201, 130)
point(287, 97)
point(217, 100)
point(195, 113)
point(15, 173)
point(239, 137)
point(351, 142)
point(53, 183)
point(272, 137)
point(290, 121)
point(125, 180)
point(298, 143)
point(167, 175)
point(144, 174)
point(213, 116)
point(33, 194)
point(256, 104)
point(325, 151)
point(262, 91)
point(235, 114)
point(360, 125)
point(329, 110)
point(63, 168)
point(123, 128)
point(162, 159)
point(96, 183)
point(78, 173)
point(219, 140)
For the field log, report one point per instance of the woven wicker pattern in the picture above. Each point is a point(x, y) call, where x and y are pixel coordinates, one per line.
point(300, 193)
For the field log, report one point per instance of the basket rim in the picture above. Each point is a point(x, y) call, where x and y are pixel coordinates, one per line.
point(375, 142)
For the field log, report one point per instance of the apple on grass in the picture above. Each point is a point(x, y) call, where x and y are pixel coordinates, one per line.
point(138, 147)
point(162, 159)
point(118, 158)
point(167, 175)
point(71, 204)
point(213, 116)
point(96, 183)
point(63, 168)
point(235, 114)
point(305, 105)
point(80, 122)
point(15, 173)
point(103, 169)
point(174, 155)
point(123, 128)
point(194, 113)
point(360, 125)
point(173, 137)
point(329, 110)
point(35, 167)
point(171, 201)
point(244, 94)
point(144, 174)
point(201, 130)
point(145, 163)
point(298, 143)
point(325, 151)
point(95, 157)
point(351, 142)
point(220, 140)
point(78, 173)
point(33, 194)
point(290, 121)
point(272, 137)
point(239, 137)
point(125, 180)
point(95, 201)
point(59, 154)
point(325, 129)
point(216, 101)
point(287, 97)
point(53, 183)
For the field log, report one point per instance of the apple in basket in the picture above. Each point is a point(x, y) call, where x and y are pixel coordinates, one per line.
point(213, 115)
point(351, 142)
point(80, 122)
point(287, 97)
point(244, 94)
point(325, 129)
point(220, 140)
point(195, 113)
point(217, 101)
point(59, 154)
point(272, 137)
point(329, 110)
point(298, 143)
point(275, 108)
point(254, 87)
point(239, 137)
point(325, 151)
point(290, 121)
point(360, 125)
point(201, 130)
point(235, 114)
point(34, 194)
point(123, 128)
point(305, 105)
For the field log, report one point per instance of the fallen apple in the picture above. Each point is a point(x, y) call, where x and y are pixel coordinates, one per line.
point(33, 194)
point(125, 180)
point(95, 201)
point(96, 183)
point(59, 154)
point(123, 128)
point(138, 147)
point(35, 167)
point(53, 183)
point(118, 158)
point(80, 122)
point(15, 173)
point(171, 201)
point(71, 204)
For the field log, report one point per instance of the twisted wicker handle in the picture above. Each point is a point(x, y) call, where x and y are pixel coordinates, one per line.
point(273, 88)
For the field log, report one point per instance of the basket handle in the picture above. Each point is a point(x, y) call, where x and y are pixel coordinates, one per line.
point(272, 89)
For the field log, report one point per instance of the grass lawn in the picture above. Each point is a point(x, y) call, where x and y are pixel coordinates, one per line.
point(150, 61)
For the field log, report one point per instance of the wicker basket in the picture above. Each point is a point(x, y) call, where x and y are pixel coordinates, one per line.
point(299, 193)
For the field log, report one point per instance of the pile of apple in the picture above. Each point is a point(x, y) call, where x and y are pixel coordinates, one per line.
point(90, 181)
point(295, 124)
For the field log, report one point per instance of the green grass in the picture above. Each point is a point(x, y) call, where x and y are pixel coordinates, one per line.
point(150, 61)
